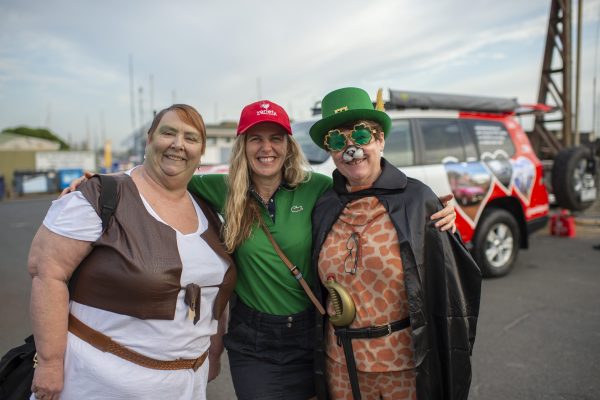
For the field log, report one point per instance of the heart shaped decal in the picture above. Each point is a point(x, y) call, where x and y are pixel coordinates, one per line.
point(524, 176)
point(499, 164)
point(470, 183)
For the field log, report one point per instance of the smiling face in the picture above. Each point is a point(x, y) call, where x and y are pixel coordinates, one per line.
point(266, 149)
point(361, 166)
point(174, 148)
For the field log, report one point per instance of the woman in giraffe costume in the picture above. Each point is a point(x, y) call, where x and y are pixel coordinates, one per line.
point(402, 297)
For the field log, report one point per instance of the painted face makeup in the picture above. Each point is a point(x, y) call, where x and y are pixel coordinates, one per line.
point(360, 165)
point(352, 153)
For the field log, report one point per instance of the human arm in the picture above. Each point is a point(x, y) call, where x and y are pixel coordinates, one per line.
point(52, 260)
point(447, 216)
point(216, 346)
point(212, 188)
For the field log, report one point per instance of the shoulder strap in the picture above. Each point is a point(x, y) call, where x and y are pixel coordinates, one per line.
point(107, 203)
point(294, 270)
point(108, 198)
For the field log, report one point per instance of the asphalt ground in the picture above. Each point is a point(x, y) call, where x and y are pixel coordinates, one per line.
point(538, 333)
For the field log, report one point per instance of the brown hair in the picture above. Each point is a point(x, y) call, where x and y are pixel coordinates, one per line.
point(188, 115)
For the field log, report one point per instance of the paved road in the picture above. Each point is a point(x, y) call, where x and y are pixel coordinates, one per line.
point(539, 328)
point(538, 335)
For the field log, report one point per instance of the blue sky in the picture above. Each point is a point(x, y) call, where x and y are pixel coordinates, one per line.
point(64, 64)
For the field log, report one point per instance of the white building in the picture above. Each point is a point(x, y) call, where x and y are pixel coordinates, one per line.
point(12, 142)
point(219, 140)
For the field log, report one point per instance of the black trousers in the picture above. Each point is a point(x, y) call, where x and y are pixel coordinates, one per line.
point(271, 356)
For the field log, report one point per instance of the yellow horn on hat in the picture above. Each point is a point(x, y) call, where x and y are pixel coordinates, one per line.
point(379, 105)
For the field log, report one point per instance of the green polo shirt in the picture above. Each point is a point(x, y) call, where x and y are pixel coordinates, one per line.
point(264, 282)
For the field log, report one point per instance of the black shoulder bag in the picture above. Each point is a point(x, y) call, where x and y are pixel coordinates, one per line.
point(17, 365)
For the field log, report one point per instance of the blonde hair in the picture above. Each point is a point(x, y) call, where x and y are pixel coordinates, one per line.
point(241, 210)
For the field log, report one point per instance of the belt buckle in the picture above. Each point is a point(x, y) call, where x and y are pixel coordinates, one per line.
point(387, 327)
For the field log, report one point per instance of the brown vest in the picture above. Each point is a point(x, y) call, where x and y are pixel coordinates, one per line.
point(134, 267)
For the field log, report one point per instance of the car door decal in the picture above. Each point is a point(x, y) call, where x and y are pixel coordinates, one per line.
point(523, 178)
point(471, 184)
point(475, 183)
point(499, 165)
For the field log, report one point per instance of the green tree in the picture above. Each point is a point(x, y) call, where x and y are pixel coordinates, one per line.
point(41, 133)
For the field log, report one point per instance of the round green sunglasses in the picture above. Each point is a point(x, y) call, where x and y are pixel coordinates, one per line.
point(361, 135)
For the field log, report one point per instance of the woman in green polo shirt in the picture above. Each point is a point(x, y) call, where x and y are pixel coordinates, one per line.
point(271, 331)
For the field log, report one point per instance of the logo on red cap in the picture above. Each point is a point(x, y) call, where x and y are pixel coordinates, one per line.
point(263, 111)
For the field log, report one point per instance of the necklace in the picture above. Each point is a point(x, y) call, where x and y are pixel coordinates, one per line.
point(262, 200)
point(259, 197)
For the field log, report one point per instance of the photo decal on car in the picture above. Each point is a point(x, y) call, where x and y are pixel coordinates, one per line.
point(499, 164)
point(524, 177)
point(473, 183)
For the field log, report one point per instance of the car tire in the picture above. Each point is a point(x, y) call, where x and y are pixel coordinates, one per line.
point(496, 243)
point(573, 171)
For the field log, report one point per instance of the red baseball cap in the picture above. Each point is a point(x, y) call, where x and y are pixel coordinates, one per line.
point(263, 111)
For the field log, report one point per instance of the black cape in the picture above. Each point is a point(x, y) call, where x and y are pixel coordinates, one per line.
point(443, 282)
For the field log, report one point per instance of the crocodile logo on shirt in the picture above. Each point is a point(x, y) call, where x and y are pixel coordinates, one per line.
point(296, 209)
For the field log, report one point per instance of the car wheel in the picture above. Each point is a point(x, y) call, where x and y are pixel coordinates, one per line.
point(496, 243)
point(574, 178)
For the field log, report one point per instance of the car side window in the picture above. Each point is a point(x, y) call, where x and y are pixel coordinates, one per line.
point(491, 136)
point(441, 140)
point(469, 143)
point(398, 144)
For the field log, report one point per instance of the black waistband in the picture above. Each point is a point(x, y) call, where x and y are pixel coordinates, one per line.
point(257, 319)
point(372, 331)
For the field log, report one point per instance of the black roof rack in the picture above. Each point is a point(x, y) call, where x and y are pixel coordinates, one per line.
point(402, 99)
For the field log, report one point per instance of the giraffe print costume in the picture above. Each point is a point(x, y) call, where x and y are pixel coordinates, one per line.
point(362, 253)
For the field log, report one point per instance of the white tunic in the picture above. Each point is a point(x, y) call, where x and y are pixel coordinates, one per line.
point(90, 373)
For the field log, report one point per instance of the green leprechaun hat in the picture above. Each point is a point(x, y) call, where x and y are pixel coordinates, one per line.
point(343, 106)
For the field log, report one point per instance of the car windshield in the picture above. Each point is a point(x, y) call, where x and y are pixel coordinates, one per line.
point(314, 154)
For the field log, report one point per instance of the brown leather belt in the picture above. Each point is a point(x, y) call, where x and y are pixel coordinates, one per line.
point(107, 345)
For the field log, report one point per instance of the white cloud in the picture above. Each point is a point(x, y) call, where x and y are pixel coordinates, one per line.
point(74, 55)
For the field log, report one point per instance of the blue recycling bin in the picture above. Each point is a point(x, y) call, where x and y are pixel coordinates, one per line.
point(65, 176)
point(28, 182)
point(2, 187)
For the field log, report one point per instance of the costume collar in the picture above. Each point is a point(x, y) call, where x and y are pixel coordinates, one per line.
point(391, 178)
